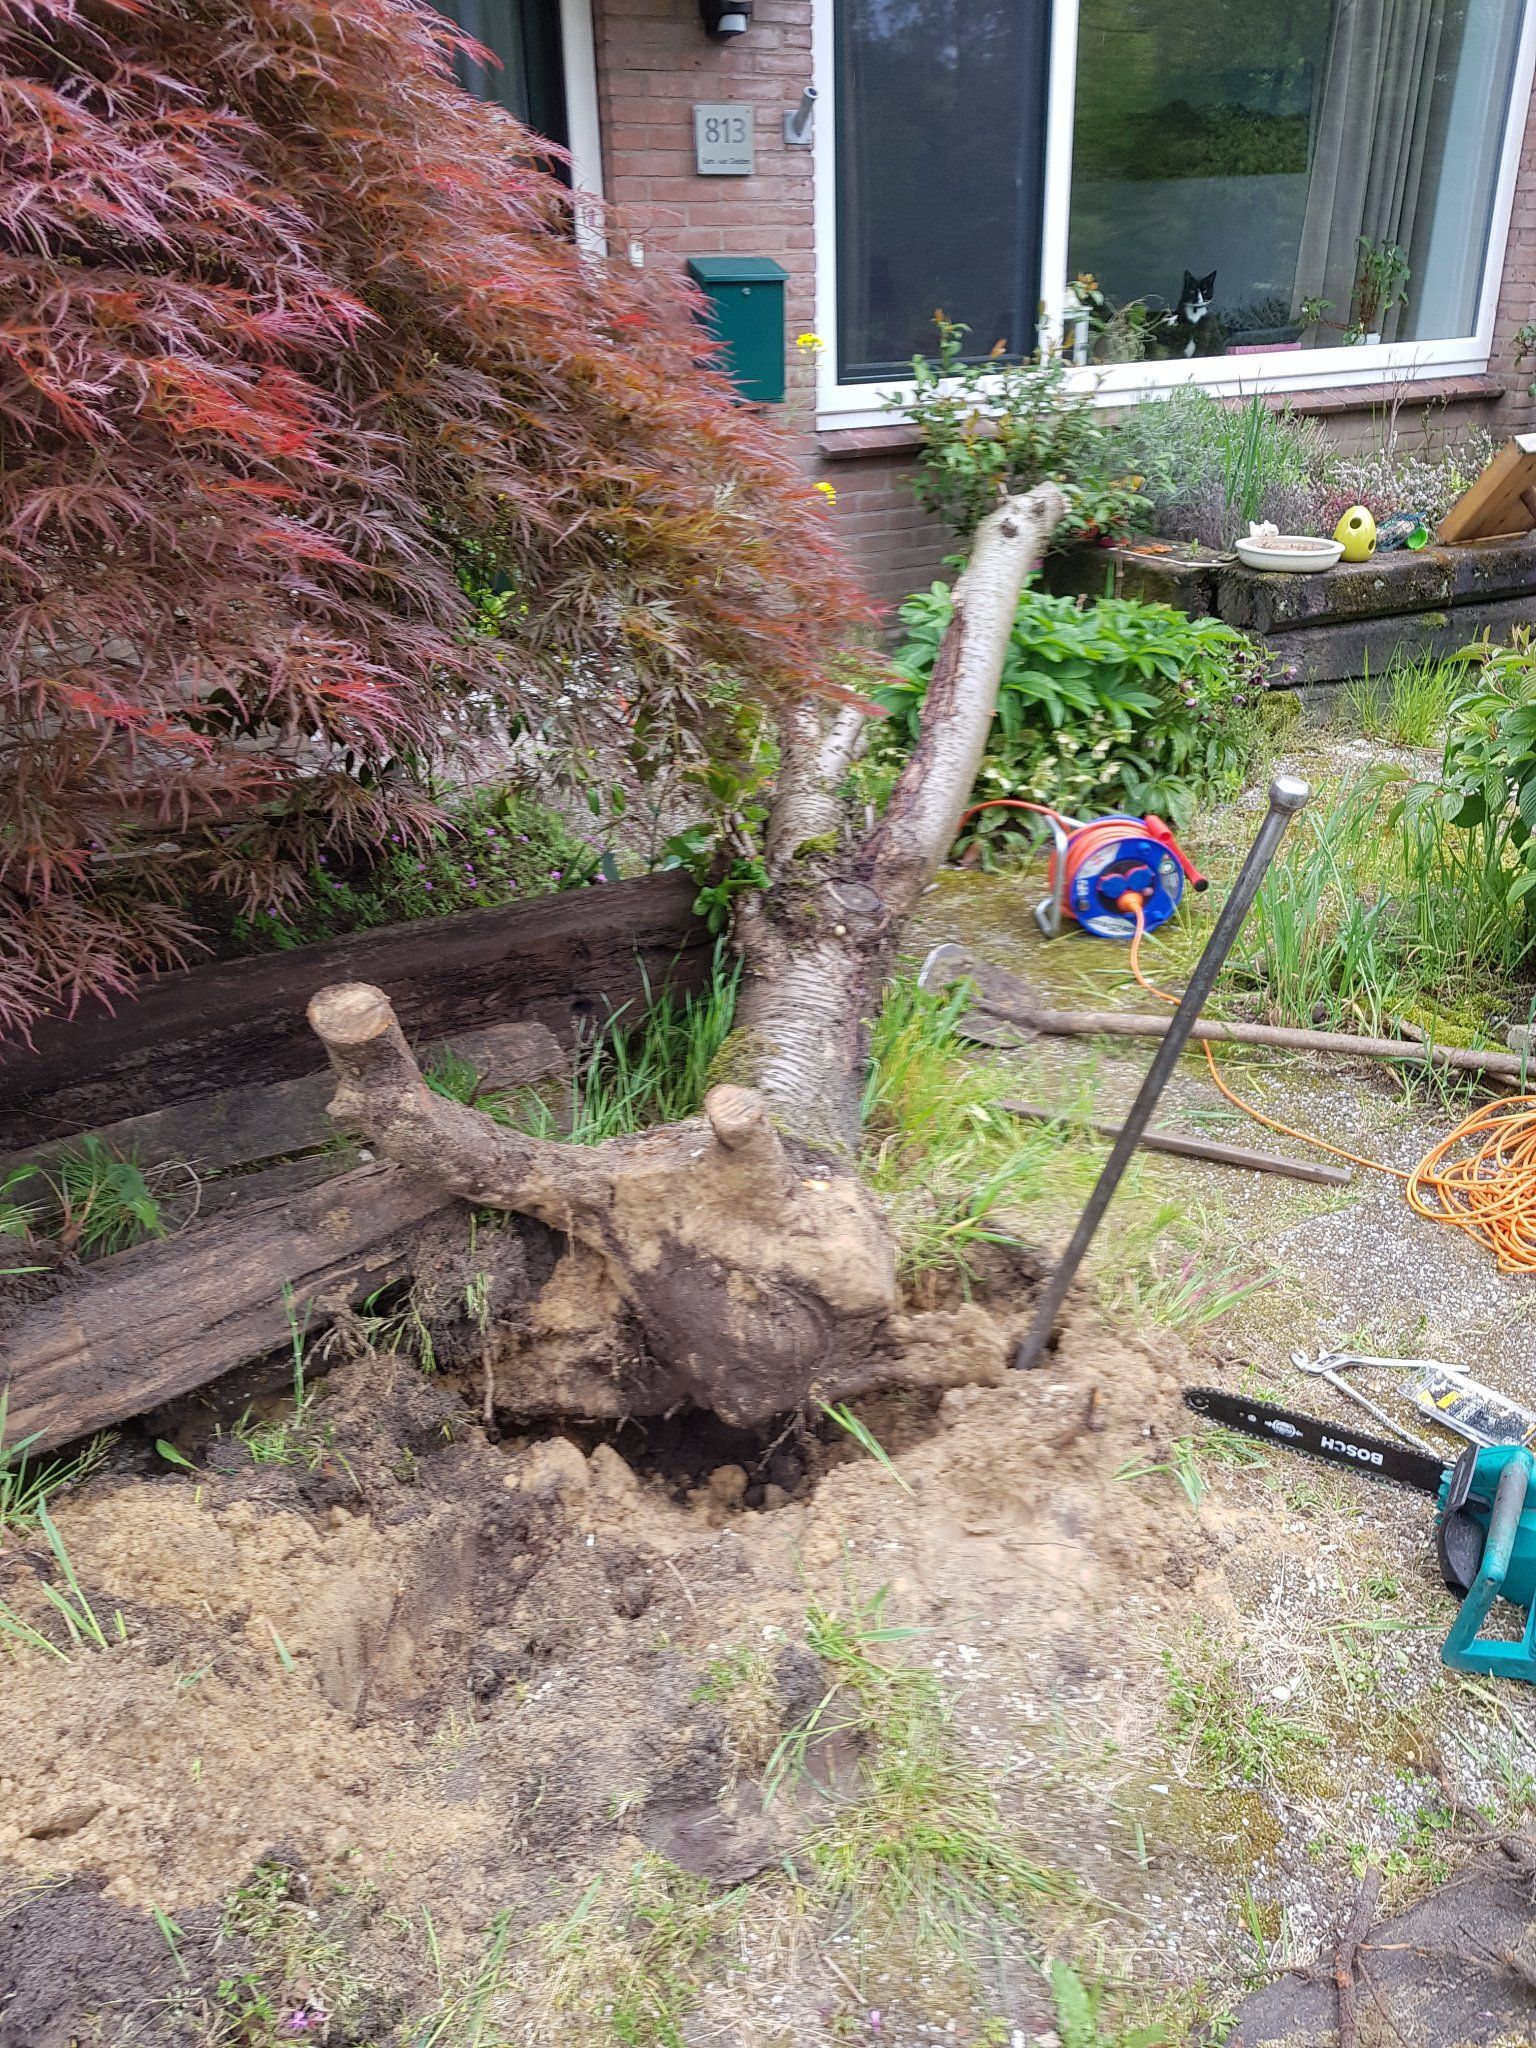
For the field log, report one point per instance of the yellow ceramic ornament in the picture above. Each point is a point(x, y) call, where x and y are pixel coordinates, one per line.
point(1356, 533)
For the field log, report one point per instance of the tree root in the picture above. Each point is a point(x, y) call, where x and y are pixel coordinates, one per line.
point(751, 1271)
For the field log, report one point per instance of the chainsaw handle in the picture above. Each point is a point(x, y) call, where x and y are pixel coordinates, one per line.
point(1163, 834)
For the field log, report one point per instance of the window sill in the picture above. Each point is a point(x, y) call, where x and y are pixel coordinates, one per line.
point(866, 444)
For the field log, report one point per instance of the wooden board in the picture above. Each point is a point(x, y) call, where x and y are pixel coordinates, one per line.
point(242, 1126)
point(558, 961)
point(151, 1323)
point(1502, 501)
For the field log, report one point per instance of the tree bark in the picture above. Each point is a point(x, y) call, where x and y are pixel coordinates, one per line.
point(819, 944)
point(748, 1265)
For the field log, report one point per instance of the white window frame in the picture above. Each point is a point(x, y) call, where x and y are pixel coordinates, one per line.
point(1297, 370)
point(578, 54)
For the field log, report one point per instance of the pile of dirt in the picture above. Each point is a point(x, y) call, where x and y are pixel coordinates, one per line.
point(463, 1673)
point(417, 1696)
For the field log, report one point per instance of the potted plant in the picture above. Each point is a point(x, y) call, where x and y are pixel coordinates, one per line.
point(1381, 282)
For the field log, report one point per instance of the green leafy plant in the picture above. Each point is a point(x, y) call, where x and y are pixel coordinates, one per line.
point(1080, 2018)
point(991, 426)
point(1210, 468)
point(1381, 283)
point(105, 1203)
point(1486, 787)
point(721, 851)
point(1117, 706)
point(1524, 338)
point(26, 1487)
point(492, 847)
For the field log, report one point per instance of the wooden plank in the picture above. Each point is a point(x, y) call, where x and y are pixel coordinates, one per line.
point(1207, 1150)
point(1496, 502)
point(557, 961)
point(243, 1126)
point(151, 1323)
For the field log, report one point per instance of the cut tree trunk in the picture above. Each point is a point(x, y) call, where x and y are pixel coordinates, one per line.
point(746, 1266)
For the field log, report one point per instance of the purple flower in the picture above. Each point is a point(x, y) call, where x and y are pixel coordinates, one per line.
point(428, 887)
point(304, 2019)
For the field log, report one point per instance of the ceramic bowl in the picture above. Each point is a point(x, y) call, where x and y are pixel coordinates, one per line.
point(1290, 552)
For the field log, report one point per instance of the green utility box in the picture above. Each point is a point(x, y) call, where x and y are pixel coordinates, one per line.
point(746, 312)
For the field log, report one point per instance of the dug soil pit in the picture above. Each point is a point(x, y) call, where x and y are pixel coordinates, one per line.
point(348, 1716)
point(417, 1738)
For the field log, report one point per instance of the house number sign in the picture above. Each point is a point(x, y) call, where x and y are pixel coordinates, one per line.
point(722, 142)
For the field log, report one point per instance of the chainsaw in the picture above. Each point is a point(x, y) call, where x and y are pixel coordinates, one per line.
point(1485, 1532)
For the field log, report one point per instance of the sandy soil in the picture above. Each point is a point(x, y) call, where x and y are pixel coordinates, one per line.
point(435, 1741)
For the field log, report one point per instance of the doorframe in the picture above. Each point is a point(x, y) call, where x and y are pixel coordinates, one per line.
point(579, 54)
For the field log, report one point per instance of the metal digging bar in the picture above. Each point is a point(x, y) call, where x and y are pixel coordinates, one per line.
point(1287, 795)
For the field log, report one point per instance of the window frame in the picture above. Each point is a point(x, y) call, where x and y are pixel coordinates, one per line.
point(1294, 370)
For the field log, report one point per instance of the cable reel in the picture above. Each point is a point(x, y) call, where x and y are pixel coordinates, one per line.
point(1101, 868)
point(1096, 865)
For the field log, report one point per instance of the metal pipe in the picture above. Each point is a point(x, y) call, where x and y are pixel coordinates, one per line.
point(1181, 1147)
point(1287, 795)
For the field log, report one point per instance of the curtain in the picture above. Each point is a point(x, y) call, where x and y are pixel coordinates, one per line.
point(1375, 135)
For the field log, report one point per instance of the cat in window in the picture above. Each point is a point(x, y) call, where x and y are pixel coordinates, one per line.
point(1192, 328)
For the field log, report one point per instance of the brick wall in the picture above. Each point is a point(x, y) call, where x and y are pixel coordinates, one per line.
point(655, 61)
point(1517, 294)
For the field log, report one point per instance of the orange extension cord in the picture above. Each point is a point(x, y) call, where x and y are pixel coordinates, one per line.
point(1488, 1191)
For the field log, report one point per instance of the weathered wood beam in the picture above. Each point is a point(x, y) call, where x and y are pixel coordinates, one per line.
point(558, 961)
point(133, 1331)
point(240, 1127)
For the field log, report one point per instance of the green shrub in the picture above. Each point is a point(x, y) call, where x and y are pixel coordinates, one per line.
point(1209, 468)
point(994, 426)
point(1117, 706)
point(493, 847)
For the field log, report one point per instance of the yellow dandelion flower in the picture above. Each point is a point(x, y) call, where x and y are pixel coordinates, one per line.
point(809, 342)
point(828, 491)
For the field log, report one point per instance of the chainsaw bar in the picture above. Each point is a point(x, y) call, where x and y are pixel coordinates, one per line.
point(1334, 1442)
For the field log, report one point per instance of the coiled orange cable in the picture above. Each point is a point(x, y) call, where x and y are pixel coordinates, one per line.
point(1488, 1191)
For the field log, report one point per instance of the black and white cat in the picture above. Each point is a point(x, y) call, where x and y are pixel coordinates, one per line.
point(1192, 328)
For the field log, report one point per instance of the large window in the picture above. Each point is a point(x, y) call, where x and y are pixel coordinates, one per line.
point(941, 153)
point(1174, 180)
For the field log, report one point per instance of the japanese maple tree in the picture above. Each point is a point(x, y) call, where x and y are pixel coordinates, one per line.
point(292, 330)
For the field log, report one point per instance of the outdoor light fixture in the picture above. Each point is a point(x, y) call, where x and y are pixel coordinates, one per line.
point(724, 18)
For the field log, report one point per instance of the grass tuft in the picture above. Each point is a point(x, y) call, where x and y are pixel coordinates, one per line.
point(623, 1967)
point(26, 1488)
point(105, 1203)
point(630, 1076)
point(918, 1847)
point(939, 1148)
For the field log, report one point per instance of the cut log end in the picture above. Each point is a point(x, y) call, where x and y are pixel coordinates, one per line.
point(736, 1115)
point(350, 1013)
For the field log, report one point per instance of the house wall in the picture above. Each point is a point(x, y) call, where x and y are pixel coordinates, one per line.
point(654, 61)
